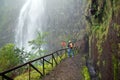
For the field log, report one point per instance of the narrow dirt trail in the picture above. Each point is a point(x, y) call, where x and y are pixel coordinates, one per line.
point(68, 69)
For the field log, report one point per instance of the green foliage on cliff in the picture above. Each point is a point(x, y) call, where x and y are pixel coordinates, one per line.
point(115, 67)
point(102, 17)
point(100, 22)
point(85, 73)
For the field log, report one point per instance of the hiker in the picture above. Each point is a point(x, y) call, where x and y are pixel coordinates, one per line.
point(63, 44)
point(70, 49)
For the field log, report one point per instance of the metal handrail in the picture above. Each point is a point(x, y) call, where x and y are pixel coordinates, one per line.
point(3, 74)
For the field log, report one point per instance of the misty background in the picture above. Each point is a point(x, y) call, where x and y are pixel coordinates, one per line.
point(62, 20)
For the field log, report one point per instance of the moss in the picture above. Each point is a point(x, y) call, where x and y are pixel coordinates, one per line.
point(85, 73)
point(117, 29)
point(103, 62)
point(116, 7)
point(100, 24)
point(99, 75)
point(104, 13)
point(118, 49)
point(98, 63)
point(115, 67)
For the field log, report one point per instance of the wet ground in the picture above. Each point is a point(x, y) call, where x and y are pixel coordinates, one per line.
point(68, 69)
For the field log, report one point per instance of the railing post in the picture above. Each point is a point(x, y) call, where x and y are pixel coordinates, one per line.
point(58, 55)
point(29, 70)
point(61, 52)
point(66, 52)
point(43, 67)
point(2, 78)
point(6, 77)
point(52, 61)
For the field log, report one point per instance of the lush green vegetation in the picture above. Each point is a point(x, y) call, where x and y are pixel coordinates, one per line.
point(85, 73)
point(8, 57)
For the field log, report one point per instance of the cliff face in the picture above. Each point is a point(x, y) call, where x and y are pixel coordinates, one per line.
point(104, 37)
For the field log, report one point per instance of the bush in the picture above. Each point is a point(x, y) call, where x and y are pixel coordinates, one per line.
point(8, 57)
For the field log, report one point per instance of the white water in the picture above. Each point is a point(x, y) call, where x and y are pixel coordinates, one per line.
point(28, 23)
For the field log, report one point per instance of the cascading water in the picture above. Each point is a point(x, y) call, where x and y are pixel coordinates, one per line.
point(28, 23)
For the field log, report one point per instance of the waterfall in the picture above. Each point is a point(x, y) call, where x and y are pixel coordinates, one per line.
point(28, 22)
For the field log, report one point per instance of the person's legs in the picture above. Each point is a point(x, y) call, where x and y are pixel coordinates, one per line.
point(72, 53)
point(69, 51)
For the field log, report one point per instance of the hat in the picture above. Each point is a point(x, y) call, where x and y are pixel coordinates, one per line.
point(69, 41)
